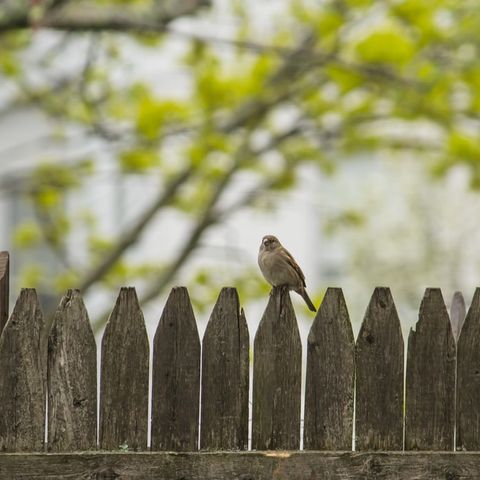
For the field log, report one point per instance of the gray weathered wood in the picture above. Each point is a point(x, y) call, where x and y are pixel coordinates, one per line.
point(244, 466)
point(124, 376)
point(468, 379)
point(457, 314)
point(379, 376)
point(276, 376)
point(22, 377)
point(430, 389)
point(176, 376)
point(72, 378)
point(4, 288)
point(225, 374)
point(330, 377)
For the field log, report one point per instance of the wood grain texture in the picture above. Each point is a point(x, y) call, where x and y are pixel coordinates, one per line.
point(330, 377)
point(457, 314)
point(379, 376)
point(72, 378)
point(176, 376)
point(468, 379)
point(225, 376)
point(430, 388)
point(243, 466)
point(277, 376)
point(22, 377)
point(124, 376)
point(4, 288)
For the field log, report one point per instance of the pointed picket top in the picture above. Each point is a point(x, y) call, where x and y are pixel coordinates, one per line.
point(22, 377)
point(225, 374)
point(468, 379)
point(4, 288)
point(379, 376)
point(124, 377)
point(330, 376)
point(277, 369)
point(457, 314)
point(176, 376)
point(430, 388)
point(72, 378)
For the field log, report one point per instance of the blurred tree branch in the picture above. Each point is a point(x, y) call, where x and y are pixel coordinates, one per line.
point(81, 16)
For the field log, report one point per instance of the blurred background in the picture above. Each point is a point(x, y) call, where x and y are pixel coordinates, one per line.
point(153, 144)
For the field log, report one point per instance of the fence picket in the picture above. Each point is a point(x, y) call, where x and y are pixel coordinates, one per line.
point(430, 392)
point(72, 378)
point(124, 377)
point(176, 376)
point(277, 369)
point(22, 377)
point(330, 377)
point(379, 376)
point(225, 373)
point(468, 379)
point(4, 288)
point(457, 314)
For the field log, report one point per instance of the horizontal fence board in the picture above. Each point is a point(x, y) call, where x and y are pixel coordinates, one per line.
point(277, 366)
point(468, 379)
point(23, 377)
point(280, 465)
point(72, 378)
point(330, 377)
point(4, 288)
point(225, 373)
point(430, 379)
point(176, 376)
point(124, 377)
point(379, 376)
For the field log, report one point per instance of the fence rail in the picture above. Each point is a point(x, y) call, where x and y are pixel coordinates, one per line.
point(199, 396)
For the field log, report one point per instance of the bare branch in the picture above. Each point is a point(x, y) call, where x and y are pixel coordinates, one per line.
point(131, 236)
point(81, 18)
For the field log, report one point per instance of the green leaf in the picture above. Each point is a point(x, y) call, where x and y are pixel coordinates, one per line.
point(390, 44)
point(138, 160)
point(464, 147)
point(153, 115)
point(27, 235)
point(66, 280)
point(9, 65)
point(31, 276)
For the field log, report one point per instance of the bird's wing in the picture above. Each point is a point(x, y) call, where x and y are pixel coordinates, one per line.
point(291, 261)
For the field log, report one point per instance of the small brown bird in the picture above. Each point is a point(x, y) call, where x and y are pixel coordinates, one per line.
point(280, 269)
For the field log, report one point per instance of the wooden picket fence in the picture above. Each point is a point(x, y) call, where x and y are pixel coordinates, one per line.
point(426, 427)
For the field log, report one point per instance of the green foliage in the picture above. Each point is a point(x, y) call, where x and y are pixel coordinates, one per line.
point(138, 160)
point(27, 235)
point(371, 65)
point(389, 44)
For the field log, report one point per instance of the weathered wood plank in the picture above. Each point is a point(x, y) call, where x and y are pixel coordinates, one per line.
point(330, 377)
point(243, 466)
point(457, 314)
point(430, 389)
point(4, 288)
point(176, 376)
point(124, 376)
point(468, 379)
point(276, 376)
point(225, 375)
point(379, 376)
point(72, 378)
point(22, 377)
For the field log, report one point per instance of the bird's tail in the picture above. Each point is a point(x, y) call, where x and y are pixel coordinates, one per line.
point(305, 296)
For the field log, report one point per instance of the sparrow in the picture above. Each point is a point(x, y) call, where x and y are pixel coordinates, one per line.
point(280, 269)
